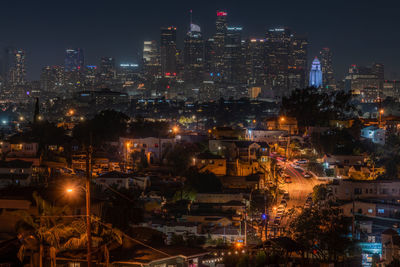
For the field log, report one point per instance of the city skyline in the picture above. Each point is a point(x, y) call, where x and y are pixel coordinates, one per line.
point(45, 40)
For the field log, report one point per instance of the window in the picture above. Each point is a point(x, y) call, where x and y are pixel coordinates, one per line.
point(144, 145)
point(357, 191)
point(370, 210)
point(381, 211)
point(155, 145)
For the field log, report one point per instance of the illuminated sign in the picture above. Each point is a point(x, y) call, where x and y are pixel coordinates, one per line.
point(235, 28)
point(277, 30)
point(129, 65)
point(222, 14)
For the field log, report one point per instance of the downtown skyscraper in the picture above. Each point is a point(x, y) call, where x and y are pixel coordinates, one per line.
point(286, 60)
point(218, 65)
point(168, 51)
point(193, 56)
point(328, 78)
point(17, 72)
point(74, 59)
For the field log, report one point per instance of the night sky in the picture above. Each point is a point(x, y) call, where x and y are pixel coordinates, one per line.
point(359, 32)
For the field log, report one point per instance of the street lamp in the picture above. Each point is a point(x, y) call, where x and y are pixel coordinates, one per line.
point(87, 191)
point(381, 111)
point(175, 129)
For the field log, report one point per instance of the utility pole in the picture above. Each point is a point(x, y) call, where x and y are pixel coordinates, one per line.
point(88, 221)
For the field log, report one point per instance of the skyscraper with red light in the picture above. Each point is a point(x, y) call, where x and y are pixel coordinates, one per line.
point(168, 51)
point(219, 44)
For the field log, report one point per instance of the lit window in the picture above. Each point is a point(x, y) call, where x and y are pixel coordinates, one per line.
point(370, 210)
point(381, 211)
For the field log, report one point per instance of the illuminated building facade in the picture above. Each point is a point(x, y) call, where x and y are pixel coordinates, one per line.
point(315, 74)
point(168, 51)
point(74, 59)
point(107, 69)
point(233, 60)
point(17, 72)
point(219, 45)
point(194, 56)
point(52, 79)
point(328, 78)
point(151, 59)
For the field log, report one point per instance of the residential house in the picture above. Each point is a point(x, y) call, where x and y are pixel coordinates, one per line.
point(207, 162)
point(15, 172)
point(262, 135)
point(371, 189)
point(375, 134)
point(154, 149)
point(114, 178)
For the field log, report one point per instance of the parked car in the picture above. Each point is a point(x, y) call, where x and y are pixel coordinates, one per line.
point(307, 175)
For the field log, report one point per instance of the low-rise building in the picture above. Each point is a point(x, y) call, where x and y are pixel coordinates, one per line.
point(153, 148)
point(207, 162)
point(372, 189)
point(15, 172)
point(375, 134)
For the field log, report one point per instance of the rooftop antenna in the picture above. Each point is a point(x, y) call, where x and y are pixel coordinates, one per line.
point(191, 18)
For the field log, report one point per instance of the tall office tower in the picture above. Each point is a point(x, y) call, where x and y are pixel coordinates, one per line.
point(277, 59)
point(107, 69)
point(255, 61)
point(209, 55)
point(52, 79)
point(327, 68)
point(193, 56)
point(151, 59)
point(233, 60)
point(17, 71)
point(219, 44)
point(74, 68)
point(364, 82)
point(297, 68)
point(379, 70)
point(315, 74)
point(168, 51)
point(90, 78)
point(74, 59)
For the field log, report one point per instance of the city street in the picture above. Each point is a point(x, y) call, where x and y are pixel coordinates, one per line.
point(299, 190)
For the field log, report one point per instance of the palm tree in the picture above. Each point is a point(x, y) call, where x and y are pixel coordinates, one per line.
point(59, 233)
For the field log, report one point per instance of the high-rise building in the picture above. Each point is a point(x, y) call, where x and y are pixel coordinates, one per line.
point(285, 61)
point(52, 79)
point(209, 58)
point(379, 70)
point(193, 56)
point(297, 68)
point(107, 69)
point(327, 68)
point(17, 71)
point(219, 45)
point(233, 64)
point(315, 74)
point(255, 61)
point(277, 60)
point(74, 60)
point(364, 82)
point(168, 51)
point(151, 59)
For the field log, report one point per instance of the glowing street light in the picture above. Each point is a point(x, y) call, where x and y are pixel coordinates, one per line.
point(69, 190)
point(175, 129)
point(21, 118)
